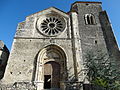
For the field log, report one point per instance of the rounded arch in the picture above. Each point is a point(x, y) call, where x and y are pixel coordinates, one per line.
point(50, 53)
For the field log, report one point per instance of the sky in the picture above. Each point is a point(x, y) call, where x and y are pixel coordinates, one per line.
point(14, 11)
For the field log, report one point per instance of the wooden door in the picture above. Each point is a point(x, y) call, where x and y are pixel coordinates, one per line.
point(51, 75)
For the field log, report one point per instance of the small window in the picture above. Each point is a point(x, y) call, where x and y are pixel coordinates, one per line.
point(95, 41)
point(89, 19)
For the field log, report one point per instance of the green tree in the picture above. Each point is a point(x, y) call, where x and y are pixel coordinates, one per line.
point(102, 70)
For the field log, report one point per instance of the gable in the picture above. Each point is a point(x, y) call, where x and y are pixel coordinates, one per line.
point(49, 11)
point(50, 22)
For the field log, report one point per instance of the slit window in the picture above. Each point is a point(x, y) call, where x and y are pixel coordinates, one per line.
point(89, 19)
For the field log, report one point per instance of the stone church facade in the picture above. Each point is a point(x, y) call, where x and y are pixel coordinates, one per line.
point(49, 47)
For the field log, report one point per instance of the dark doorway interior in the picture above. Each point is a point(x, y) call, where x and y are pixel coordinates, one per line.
point(47, 81)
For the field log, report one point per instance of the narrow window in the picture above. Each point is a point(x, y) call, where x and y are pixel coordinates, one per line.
point(92, 19)
point(88, 19)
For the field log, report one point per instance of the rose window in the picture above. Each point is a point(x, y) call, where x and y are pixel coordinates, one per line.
point(51, 26)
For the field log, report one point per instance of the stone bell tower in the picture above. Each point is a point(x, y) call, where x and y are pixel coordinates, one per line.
point(49, 46)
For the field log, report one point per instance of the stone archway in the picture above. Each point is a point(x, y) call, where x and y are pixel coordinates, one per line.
point(51, 59)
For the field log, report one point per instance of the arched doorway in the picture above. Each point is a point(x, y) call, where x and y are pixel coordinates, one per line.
point(51, 69)
point(51, 75)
